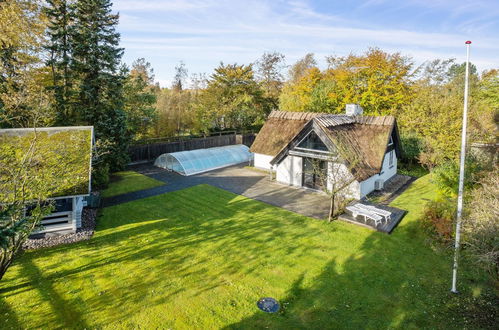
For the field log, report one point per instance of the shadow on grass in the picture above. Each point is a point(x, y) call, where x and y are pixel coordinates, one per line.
point(201, 232)
point(189, 245)
point(8, 315)
point(63, 310)
point(385, 285)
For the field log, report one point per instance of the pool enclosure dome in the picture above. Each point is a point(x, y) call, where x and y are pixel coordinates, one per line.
point(204, 160)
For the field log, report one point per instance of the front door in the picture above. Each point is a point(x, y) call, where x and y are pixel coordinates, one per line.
point(314, 173)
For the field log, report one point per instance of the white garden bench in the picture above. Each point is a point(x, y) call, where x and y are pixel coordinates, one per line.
point(386, 214)
point(366, 214)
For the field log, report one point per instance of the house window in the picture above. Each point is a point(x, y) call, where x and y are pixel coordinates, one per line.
point(390, 159)
point(312, 142)
point(314, 173)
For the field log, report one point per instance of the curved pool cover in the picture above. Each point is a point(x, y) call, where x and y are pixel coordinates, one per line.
point(204, 160)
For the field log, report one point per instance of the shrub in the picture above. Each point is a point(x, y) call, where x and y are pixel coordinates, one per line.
point(481, 225)
point(100, 175)
point(446, 176)
point(411, 148)
point(415, 170)
point(438, 219)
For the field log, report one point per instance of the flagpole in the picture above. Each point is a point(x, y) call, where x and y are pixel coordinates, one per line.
point(461, 173)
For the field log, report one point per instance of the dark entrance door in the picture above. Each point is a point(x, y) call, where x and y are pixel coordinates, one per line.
point(314, 173)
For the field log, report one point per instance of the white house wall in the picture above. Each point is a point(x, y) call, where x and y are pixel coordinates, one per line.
point(289, 171)
point(341, 174)
point(387, 173)
point(262, 161)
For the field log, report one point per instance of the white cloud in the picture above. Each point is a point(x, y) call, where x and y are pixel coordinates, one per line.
point(203, 33)
point(160, 5)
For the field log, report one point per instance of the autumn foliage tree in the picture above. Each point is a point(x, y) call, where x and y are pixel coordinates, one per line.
point(233, 98)
point(23, 97)
point(434, 115)
point(380, 82)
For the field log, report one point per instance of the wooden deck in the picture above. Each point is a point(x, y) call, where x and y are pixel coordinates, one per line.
point(384, 227)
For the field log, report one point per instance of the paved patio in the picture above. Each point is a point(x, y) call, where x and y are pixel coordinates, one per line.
point(238, 179)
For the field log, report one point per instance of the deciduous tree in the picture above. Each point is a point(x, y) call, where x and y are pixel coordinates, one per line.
point(140, 98)
point(23, 100)
point(233, 98)
point(269, 74)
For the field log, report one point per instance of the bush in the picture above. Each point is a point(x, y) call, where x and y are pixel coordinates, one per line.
point(438, 219)
point(100, 175)
point(411, 148)
point(481, 225)
point(414, 170)
point(446, 176)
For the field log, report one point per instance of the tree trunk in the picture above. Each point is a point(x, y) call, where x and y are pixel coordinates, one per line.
point(6, 262)
point(331, 209)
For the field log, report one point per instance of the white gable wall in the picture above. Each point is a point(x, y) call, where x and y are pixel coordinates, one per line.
point(387, 173)
point(262, 161)
point(289, 171)
point(340, 172)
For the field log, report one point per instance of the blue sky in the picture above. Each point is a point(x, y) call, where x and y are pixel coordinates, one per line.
point(201, 33)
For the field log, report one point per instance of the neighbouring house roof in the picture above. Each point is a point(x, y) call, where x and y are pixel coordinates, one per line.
point(362, 141)
point(279, 129)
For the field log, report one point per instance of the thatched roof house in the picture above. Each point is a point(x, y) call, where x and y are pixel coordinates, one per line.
point(291, 143)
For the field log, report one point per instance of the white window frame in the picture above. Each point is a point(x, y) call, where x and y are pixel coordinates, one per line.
point(313, 150)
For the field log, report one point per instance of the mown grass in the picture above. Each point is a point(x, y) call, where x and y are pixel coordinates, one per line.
point(202, 257)
point(129, 181)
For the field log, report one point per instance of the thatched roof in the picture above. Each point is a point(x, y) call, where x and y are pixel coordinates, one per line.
point(363, 146)
point(280, 128)
point(360, 140)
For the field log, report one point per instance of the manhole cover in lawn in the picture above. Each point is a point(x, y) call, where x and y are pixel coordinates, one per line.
point(269, 305)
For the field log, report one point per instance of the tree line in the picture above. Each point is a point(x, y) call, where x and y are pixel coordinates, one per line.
point(61, 65)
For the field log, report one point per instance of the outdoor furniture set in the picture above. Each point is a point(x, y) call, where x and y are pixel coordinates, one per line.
point(369, 212)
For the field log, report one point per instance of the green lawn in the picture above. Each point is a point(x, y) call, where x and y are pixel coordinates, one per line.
point(202, 257)
point(128, 181)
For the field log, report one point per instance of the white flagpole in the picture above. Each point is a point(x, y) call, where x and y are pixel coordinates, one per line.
point(461, 172)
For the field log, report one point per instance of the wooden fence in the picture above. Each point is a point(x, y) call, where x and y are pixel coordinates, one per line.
point(144, 153)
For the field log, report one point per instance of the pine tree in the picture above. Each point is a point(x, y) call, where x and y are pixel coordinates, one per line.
point(60, 14)
point(96, 65)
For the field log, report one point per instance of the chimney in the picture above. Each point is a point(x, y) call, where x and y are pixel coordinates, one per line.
point(354, 110)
